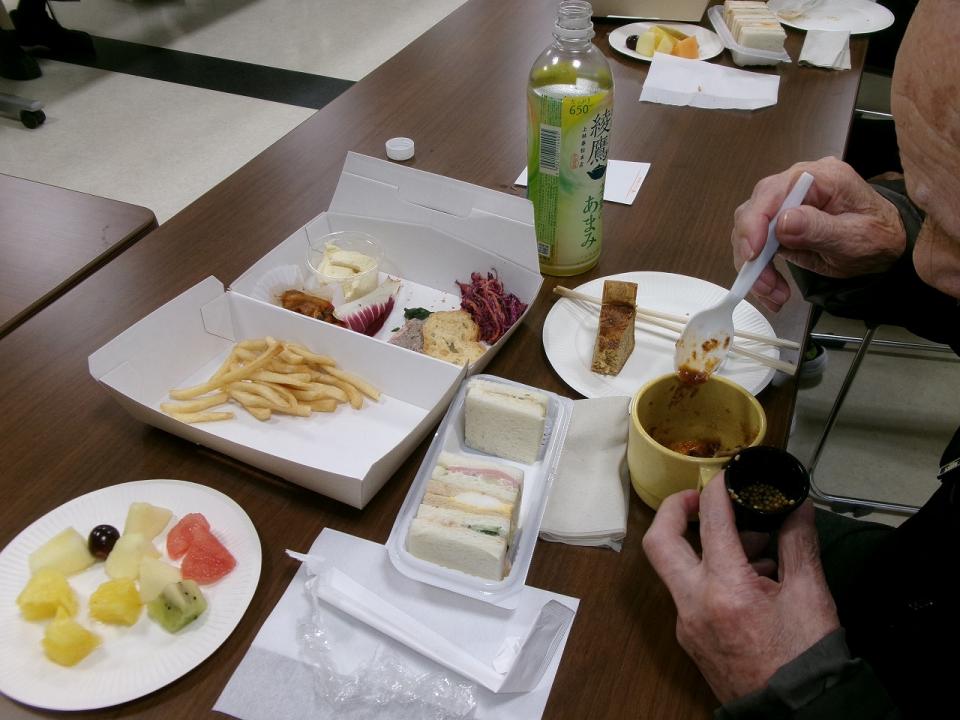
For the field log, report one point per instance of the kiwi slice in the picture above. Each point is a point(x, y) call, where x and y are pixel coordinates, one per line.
point(178, 605)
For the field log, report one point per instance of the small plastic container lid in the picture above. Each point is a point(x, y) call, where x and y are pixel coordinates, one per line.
point(400, 148)
point(742, 55)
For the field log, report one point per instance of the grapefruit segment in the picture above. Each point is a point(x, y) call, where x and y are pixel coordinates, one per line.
point(180, 537)
point(207, 560)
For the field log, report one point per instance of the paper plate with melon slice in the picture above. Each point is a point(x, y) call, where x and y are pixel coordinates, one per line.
point(121, 591)
point(640, 40)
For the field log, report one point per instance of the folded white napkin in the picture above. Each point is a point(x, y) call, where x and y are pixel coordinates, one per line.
point(372, 674)
point(827, 48)
point(678, 81)
point(591, 493)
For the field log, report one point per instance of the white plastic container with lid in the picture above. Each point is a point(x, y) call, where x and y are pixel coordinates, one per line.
point(741, 54)
point(537, 481)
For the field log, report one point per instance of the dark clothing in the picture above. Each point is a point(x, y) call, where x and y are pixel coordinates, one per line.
point(897, 590)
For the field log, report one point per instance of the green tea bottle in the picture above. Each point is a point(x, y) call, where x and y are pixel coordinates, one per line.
point(570, 109)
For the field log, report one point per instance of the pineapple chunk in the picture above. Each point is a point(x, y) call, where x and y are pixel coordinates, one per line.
point(116, 602)
point(47, 591)
point(155, 575)
point(66, 641)
point(124, 560)
point(67, 552)
point(146, 519)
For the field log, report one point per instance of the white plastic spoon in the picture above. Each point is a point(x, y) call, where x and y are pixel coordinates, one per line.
point(705, 340)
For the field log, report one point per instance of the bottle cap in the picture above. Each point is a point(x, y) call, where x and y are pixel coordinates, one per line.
point(399, 148)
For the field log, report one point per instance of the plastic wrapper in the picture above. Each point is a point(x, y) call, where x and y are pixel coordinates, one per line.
point(385, 683)
point(792, 9)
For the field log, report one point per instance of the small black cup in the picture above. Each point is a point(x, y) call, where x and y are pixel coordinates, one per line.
point(765, 485)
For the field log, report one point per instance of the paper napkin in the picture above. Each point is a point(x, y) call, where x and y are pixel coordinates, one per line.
point(591, 493)
point(622, 183)
point(275, 680)
point(827, 48)
point(679, 81)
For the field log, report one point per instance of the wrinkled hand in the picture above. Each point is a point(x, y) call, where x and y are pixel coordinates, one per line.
point(844, 229)
point(739, 626)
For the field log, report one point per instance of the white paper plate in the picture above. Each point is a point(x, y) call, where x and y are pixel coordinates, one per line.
point(855, 16)
point(130, 662)
point(707, 40)
point(570, 332)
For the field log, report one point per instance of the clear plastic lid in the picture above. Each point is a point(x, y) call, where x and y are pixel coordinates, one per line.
point(742, 55)
point(537, 480)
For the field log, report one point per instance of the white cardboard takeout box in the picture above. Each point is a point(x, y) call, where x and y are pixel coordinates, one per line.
point(434, 230)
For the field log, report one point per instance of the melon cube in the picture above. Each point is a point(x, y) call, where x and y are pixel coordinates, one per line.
point(124, 560)
point(155, 575)
point(67, 552)
point(687, 48)
point(146, 519)
point(646, 43)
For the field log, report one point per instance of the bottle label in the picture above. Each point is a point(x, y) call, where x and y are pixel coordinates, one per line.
point(567, 164)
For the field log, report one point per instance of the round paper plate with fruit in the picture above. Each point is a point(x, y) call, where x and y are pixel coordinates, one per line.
point(122, 591)
point(640, 40)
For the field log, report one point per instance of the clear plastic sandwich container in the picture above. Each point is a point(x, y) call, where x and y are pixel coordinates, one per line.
point(742, 55)
point(537, 481)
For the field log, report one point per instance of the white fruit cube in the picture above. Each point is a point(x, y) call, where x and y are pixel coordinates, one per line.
point(646, 43)
point(146, 519)
point(67, 552)
point(155, 575)
point(124, 559)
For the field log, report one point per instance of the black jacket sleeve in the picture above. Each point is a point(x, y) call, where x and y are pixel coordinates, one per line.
point(896, 297)
point(823, 683)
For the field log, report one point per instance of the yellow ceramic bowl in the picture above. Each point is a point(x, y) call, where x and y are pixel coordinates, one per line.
point(666, 412)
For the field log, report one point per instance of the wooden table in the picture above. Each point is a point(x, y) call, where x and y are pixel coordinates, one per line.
point(459, 92)
point(51, 238)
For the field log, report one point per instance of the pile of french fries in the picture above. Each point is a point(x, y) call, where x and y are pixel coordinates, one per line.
point(267, 376)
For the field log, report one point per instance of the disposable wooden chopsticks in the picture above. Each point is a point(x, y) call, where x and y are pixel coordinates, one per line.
point(675, 323)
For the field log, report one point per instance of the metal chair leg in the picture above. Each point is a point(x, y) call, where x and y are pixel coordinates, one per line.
point(841, 503)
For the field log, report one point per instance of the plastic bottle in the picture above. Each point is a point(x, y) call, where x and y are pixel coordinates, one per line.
point(570, 110)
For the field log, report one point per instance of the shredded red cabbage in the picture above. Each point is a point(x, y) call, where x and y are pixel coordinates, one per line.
point(492, 309)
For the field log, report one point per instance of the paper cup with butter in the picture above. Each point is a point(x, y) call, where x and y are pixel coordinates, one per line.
point(346, 264)
point(681, 435)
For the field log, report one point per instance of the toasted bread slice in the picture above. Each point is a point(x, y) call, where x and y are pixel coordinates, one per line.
point(452, 336)
point(618, 312)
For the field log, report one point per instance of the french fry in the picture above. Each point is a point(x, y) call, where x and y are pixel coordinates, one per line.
point(288, 356)
point(244, 354)
point(262, 414)
point(311, 357)
point(360, 384)
point(352, 394)
point(319, 391)
point(230, 376)
point(197, 417)
point(258, 345)
point(192, 406)
point(264, 377)
point(292, 379)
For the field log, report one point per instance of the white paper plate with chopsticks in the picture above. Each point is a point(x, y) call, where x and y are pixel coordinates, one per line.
point(570, 331)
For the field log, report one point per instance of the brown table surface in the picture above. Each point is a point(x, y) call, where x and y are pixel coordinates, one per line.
point(459, 92)
point(51, 238)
